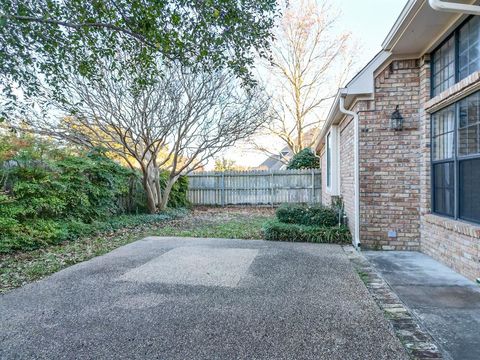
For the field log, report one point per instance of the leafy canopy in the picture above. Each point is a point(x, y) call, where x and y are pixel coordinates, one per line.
point(46, 40)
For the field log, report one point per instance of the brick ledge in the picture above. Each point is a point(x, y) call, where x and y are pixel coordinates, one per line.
point(456, 92)
point(459, 227)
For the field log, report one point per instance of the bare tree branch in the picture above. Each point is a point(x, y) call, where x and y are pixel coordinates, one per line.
point(307, 57)
point(175, 123)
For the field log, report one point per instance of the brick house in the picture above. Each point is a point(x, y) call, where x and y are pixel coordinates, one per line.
point(410, 179)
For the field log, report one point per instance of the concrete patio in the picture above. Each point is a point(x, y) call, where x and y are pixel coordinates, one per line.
point(181, 298)
point(447, 304)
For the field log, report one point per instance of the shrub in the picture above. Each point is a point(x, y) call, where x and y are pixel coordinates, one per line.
point(278, 231)
point(305, 159)
point(32, 235)
point(310, 215)
point(48, 195)
point(178, 195)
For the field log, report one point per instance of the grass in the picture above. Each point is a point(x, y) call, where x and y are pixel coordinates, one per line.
point(363, 276)
point(20, 268)
point(247, 228)
point(227, 223)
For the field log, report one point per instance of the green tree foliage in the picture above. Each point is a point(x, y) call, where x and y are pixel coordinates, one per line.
point(224, 164)
point(49, 39)
point(305, 159)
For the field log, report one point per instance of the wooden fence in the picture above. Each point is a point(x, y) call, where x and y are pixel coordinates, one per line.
point(255, 187)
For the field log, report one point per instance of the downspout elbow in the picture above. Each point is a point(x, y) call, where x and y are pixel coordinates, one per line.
point(345, 111)
point(440, 5)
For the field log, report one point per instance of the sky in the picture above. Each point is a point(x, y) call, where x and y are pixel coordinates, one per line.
point(369, 21)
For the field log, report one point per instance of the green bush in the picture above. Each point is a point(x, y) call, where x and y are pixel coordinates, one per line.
point(74, 186)
point(278, 231)
point(310, 215)
point(305, 159)
point(50, 194)
point(178, 195)
point(35, 234)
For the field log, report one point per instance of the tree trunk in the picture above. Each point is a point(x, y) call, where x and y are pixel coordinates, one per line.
point(150, 191)
point(166, 192)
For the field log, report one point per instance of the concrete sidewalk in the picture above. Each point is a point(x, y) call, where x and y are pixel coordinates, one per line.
point(447, 304)
point(171, 298)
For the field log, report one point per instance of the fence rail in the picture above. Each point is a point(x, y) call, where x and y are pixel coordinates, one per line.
point(254, 187)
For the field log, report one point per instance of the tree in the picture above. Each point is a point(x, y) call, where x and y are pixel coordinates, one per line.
point(308, 62)
point(48, 40)
point(224, 164)
point(176, 122)
point(305, 159)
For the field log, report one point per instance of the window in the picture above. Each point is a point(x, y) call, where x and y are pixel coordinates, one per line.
point(457, 57)
point(469, 192)
point(468, 60)
point(456, 160)
point(443, 133)
point(444, 190)
point(329, 160)
point(444, 67)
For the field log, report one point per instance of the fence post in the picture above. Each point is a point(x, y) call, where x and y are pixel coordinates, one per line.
point(271, 188)
point(313, 186)
point(222, 193)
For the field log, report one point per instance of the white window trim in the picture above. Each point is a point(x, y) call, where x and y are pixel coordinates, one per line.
point(334, 188)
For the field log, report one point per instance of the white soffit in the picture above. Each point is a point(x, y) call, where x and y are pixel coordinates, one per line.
point(363, 82)
point(420, 28)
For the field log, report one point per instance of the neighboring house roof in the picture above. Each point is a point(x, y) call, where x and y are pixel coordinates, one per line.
point(271, 163)
point(279, 162)
point(418, 30)
point(276, 162)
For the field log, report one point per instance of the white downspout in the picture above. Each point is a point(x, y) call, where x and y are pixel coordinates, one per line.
point(440, 5)
point(356, 161)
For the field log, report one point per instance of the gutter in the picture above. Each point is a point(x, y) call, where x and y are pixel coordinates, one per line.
point(356, 162)
point(445, 6)
point(329, 120)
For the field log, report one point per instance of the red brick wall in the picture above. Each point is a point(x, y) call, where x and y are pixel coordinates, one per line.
point(454, 243)
point(347, 189)
point(395, 179)
point(347, 181)
point(424, 126)
point(389, 161)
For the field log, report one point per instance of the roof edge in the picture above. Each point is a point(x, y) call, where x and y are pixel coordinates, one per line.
point(406, 13)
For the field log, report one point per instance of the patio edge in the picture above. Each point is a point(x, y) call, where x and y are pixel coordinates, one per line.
point(417, 342)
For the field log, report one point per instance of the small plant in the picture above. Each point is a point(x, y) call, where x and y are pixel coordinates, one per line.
point(363, 276)
point(339, 207)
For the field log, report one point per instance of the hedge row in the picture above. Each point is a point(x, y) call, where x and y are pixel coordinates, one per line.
point(50, 193)
point(44, 232)
point(310, 215)
point(279, 231)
